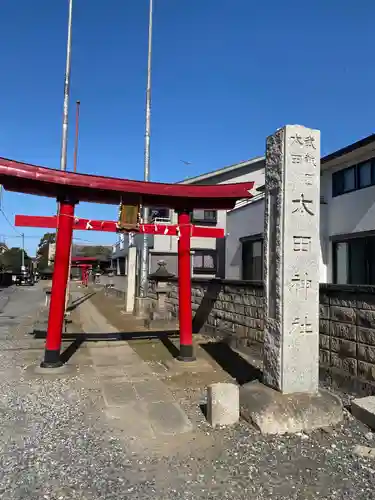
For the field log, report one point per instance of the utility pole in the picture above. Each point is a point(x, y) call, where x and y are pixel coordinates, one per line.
point(78, 103)
point(23, 252)
point(64, 139)
point(144, 256)
point(64, 136)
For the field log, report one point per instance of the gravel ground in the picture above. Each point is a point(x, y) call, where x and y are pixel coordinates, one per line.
point(56, 444)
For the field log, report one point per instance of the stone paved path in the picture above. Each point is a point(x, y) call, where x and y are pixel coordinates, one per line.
point(139, 403)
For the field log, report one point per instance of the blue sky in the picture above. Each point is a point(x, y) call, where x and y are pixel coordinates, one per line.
point(226, 73)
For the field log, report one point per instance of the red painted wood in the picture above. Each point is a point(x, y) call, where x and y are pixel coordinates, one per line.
point(31, 179)
point(184, 287)
point(49, 222)
point(60, 279)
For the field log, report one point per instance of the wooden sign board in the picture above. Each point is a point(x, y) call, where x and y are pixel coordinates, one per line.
point(129, 217)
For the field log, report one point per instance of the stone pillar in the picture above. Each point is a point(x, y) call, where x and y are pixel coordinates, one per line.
point(130, 282)
point(291, 263)
point(118, 271)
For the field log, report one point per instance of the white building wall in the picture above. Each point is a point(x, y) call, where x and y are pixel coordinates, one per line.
point(349, 213)
point(245, 221)
point(169, 244)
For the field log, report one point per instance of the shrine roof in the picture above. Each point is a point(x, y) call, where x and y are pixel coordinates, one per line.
point(41, 181)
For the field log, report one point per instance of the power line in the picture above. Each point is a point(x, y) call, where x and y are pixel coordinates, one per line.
point(8, 221)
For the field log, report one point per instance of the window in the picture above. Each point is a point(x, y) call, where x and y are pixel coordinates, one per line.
point(354, 177)
point(341, 267)
point(252, 260)
point(204, 217)
point(364, 174)
point(159, 213)
point(205, 262)
point(343, 181)
point(354, 261)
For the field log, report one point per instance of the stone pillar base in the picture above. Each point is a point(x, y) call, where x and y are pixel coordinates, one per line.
point(276, 413)
point(141, 307)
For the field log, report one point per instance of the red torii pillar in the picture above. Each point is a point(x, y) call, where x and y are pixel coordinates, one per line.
point(185, 316)
point(184, 230)
point(59, 283)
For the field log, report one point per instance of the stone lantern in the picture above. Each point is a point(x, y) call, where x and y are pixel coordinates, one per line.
point(110, 274)
point(159, 315)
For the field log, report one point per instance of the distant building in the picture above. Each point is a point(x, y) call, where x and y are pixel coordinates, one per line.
point(347, 221)
point(208, 254)
point(51, 253)
point(3, 248)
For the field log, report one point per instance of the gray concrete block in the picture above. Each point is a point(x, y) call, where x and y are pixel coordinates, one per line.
point(223, 404)
point(364, 410)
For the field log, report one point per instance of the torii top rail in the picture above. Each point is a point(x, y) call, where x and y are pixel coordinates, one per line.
point(41, 181)
point(70, 188)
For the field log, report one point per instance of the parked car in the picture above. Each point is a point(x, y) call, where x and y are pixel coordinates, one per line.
point(24, 278)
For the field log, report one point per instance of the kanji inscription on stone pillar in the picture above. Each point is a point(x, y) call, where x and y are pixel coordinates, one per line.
point(291, 260)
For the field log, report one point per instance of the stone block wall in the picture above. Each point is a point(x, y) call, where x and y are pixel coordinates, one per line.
point(347, 334)
point(233, 310)
point(225, 308)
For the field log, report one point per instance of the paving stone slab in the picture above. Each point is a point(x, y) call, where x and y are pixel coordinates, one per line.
point(168, 418)
point(138, 372)
point(152, 391)
point(132, 420)
point(105, 360)
point(113, 371)
point(177, 367)
point(118, 392)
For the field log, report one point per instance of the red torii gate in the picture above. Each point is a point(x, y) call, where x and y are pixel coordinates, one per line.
point(70, 188)
point(184, 231)
point(82, 263)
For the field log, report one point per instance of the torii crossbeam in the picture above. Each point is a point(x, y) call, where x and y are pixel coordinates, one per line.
point(184, 230)
point(70, 188)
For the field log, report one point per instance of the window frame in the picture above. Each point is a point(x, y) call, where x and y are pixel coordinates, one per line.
point(248, 243)
point(359, 174)
point(205, 270)
point(157, 209)
point(338, 178)
point(369, 261)
point(205, 221)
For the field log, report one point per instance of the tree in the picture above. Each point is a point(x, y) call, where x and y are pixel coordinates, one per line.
point(11, 260)
point(46, 239)
point(93, 251)
point(42, 251)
